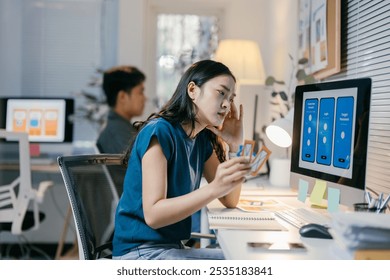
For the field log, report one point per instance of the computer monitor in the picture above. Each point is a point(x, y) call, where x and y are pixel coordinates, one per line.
point(47, 120)
point(330, 136)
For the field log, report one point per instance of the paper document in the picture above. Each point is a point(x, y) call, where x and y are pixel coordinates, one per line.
point(256, 205)
point(362, 230)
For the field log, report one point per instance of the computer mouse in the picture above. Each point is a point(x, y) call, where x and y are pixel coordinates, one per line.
point(315, 231)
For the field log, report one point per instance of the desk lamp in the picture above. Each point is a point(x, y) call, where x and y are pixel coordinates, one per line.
point(243, 57)
point(280, 133)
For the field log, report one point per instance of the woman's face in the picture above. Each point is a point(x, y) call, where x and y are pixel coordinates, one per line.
point(213, 99)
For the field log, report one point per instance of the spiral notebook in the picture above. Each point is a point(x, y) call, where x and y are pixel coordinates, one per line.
point(224, 218)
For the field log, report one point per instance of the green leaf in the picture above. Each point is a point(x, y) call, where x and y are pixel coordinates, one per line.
point(301, 75)
point(280, 82)
point(269, 81)
point(283, 95)
point(303, 61)
point(309, 79)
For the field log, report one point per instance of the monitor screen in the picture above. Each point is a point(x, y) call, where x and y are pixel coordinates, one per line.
point(330, 136)
point(46, 120)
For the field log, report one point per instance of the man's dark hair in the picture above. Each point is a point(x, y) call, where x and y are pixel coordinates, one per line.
point(120, 78)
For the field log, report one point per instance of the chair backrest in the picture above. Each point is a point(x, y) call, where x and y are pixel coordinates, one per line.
point(93, 198)
point(16, 196)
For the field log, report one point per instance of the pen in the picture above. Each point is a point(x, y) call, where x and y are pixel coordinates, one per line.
point(380, 198)
point(368, 197)
point(384, 204)
point(372, 203)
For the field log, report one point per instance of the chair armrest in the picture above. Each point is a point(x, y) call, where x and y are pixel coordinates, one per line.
point(99, 250)
point(203, 235)
point(42, 188)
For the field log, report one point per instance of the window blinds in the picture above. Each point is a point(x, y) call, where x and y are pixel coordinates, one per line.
point(60, 46)
point(53, 47)
point(365, 52)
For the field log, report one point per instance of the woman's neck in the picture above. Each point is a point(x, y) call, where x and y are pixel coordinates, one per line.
point(192, 133)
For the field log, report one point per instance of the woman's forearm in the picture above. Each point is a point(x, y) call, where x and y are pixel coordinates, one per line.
point(171, 210)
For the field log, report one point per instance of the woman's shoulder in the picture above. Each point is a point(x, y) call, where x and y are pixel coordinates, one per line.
point(159, 126)
point(166, 133)
point(159, 123)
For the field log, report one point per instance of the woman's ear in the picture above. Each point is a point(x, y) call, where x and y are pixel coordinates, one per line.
point(192, 90)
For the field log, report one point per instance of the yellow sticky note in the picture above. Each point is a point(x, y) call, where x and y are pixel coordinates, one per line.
point(318, 193)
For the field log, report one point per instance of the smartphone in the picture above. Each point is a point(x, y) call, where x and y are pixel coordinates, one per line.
point(278, 246)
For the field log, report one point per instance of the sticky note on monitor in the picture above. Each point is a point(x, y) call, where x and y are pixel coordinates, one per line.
point(333, 199)
point(303, 187)
point(318, 193)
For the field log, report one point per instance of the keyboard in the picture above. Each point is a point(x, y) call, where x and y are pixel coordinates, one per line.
point(299, 217)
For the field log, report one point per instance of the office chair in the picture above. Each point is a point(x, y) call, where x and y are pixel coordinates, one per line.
point(15, 197)
point(93, 200)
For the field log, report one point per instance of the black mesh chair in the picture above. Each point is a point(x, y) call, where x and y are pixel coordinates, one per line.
point(93, 199)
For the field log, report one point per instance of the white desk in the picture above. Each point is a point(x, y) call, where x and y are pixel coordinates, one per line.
point(234, 242)
point(255, 187)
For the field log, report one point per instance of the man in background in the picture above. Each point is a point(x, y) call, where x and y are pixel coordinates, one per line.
point(124, 90)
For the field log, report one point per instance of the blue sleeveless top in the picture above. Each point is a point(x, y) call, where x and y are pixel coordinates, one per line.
point(185, 158)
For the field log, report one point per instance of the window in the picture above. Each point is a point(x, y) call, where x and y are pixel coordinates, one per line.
point(182, 39)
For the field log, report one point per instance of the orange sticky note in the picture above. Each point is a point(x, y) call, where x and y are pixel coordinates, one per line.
point(318, 193)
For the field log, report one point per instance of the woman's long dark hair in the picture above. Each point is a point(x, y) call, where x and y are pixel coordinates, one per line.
point(181, 109)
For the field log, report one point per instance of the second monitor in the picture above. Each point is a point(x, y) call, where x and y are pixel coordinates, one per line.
point(46, 120)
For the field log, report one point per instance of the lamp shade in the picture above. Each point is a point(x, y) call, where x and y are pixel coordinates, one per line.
point(243, 58)
point(280, 131)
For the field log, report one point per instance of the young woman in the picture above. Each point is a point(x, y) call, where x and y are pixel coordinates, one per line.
point(188, 138)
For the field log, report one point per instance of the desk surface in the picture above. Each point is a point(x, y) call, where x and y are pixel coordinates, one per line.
point(234, 242)
point(47, 161)
point(46, 168)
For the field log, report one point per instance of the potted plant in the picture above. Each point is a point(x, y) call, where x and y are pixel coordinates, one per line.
point(282, 95)
point(282, 102)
